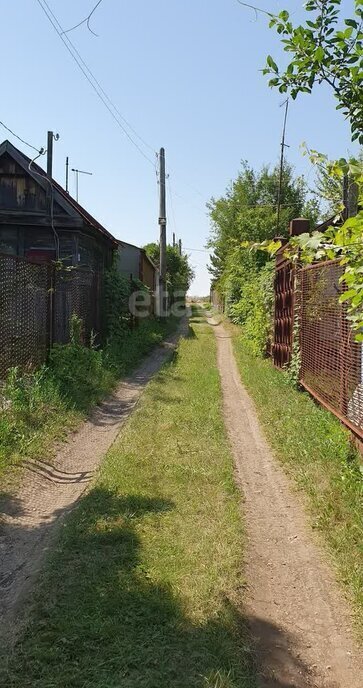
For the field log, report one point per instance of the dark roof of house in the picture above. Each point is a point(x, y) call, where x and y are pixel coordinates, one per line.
point(61, 195)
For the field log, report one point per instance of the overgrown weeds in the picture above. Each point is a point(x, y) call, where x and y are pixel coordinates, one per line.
point(39, 407)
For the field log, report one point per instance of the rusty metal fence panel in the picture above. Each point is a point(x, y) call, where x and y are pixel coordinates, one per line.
point(331, 361)
point(36, 304)
point(284, 313)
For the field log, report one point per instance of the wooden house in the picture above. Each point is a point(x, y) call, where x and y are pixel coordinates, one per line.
point(41, 222)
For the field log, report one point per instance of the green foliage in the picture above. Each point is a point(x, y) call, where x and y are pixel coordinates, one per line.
point(255, 308)
point(123, 352)
point(32, 413)
point(79, 372)
point(117, 292)
point(323, 50)
point(38, 407)
point(179, 273)
point(246, 213)
point(292, 371)
point(343, 242)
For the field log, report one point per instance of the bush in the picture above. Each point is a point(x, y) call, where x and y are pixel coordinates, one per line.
point(254, 310)
point(124, 350)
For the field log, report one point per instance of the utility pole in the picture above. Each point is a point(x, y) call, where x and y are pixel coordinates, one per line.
point(281, 177)
point(180, 247)
point(50, 155)
point(173, 239)
point(67, 173)
point(162, 223)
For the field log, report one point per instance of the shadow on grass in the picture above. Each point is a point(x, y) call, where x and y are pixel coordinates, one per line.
point(103, 619)
point(191, 333)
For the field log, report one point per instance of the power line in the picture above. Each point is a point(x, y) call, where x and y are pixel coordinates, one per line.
point(86, 71)
point(38, 150)
point(197, 250)
point(86, 21)
point(254, 8)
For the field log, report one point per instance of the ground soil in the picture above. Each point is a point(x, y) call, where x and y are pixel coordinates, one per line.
point(29, 519)
point(299, 619)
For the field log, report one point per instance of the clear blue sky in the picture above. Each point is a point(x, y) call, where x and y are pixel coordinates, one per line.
point(185, 74)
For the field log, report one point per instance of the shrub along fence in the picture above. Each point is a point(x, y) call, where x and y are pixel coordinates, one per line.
point(307, 306)
point(36, 305)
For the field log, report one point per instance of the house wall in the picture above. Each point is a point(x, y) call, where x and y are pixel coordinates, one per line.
point(26, 228)
point(19, 191)
point(147, 273)
point(38, 244)
point(129, 260)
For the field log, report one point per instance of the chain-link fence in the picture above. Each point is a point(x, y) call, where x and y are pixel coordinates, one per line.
point(36, 305)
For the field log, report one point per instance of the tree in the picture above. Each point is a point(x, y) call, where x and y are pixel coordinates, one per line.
point(248, 212)
point(323, 51)
point(179, 273)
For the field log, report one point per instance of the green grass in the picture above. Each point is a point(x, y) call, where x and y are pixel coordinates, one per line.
point(42, 407)
point(318, 453)
point(143, 589)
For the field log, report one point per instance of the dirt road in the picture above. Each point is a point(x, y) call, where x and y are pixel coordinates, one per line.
point(296, 610)
point(49, 491)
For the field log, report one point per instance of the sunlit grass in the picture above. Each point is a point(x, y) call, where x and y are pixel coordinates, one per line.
point(143, 591)
point(318, 452)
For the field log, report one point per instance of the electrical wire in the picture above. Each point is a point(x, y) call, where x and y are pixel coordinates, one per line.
point(38, 150)
point(196, 250)
point(88, 74)
point(86, 21)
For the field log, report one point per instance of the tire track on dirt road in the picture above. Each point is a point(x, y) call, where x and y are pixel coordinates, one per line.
point(298, 616)
point(29, 519)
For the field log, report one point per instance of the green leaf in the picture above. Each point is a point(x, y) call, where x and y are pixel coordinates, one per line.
point(347, 295)
point(319, 54)
point(272, 64)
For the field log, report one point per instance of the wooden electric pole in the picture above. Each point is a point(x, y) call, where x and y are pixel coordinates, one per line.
point(162, 223)
point(50, 155)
